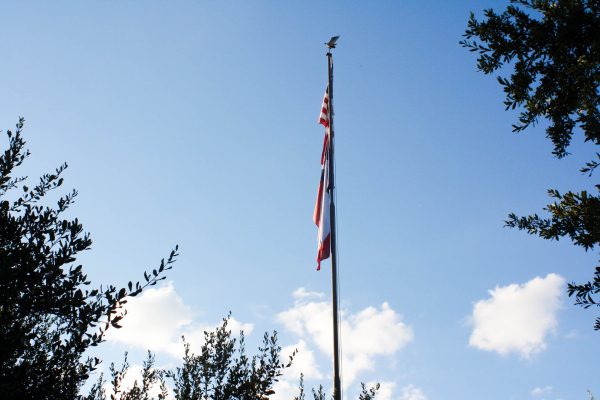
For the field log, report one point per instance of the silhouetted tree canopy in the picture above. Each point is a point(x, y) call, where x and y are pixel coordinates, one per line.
point(552, 50)
point(366, 393)
point(220, 371)
point(49, 313)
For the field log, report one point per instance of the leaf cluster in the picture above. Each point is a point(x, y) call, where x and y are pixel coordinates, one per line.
point(576, 215)
point(220, 371)
point(555, 62)
point(49, 314)
point(366, 393)
point(573, 215)
point(223, 371)
point(151, 377)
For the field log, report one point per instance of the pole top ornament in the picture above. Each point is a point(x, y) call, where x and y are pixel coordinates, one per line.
point(332, 42)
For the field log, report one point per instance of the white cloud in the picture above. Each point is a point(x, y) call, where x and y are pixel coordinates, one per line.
point(133, 375)
point(369, 333)
point(158, 318)
point(302, 294)
point(287, 390)
point(386, 390)
point(572, 334)
point(194, 334)
point(517, 318)
point(539, 391)
point(154, 321)
point(412, 392)
point(304, 362)
point(408, 392)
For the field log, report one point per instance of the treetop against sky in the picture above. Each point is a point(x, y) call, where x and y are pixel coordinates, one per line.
point(195, 123)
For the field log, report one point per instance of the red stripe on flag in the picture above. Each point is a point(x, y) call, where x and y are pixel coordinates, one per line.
point(317, 212)
point(325, 144)
point(324, 116)
point(323, 252)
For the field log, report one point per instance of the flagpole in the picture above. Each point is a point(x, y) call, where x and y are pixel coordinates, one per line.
point(337, 393)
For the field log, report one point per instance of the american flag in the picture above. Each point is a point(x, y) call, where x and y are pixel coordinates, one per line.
point(324, 117)
point(321, 214)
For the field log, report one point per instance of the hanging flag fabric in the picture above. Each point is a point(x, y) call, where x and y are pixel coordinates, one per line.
point(324, 117)
point(322, 206)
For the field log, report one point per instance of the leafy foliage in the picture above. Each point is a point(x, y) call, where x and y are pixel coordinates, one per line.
point(139, 391)
point(555, 61)
point(576, 215)
point(584, 294)
point(221, 371)
point(49, 315)
point(366, 393)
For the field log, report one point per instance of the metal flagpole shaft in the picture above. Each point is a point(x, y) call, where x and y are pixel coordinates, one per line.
point(337, 393)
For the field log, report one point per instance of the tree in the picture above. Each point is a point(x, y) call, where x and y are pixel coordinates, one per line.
point(221, 371)
point(49, 314)
point(150, 378)
point(319, 394)
point(553, 51)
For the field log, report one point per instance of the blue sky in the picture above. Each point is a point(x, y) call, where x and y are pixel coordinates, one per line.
point(194, 123)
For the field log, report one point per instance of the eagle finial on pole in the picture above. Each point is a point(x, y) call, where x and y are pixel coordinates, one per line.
point(332, 42)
